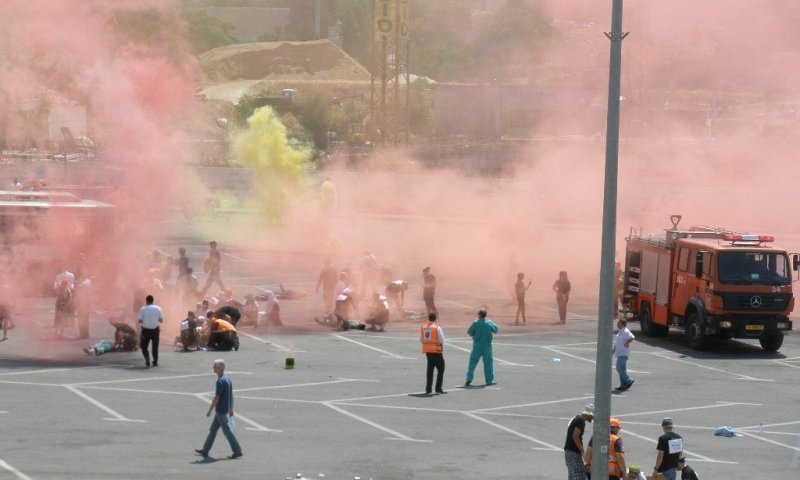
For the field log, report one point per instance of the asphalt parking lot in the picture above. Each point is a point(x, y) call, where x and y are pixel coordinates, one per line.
point(352, 406)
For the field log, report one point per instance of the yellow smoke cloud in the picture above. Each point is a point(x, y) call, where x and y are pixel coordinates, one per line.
point(280, 168)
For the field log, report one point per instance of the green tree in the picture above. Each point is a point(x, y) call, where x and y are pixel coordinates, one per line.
point(514, 36)
point(313, 114)
point(205, 32)
point(159, 29)
point(420, 109)
point(441, 34)
point(355, 28)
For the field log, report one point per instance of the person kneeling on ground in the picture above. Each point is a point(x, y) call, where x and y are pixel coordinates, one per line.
point(125, 339)
point(188, 337)
point(342, 311)
point(250, 310)
point(223, 335)
point(378, 312)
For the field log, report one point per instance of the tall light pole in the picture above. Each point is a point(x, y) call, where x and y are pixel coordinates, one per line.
point(605, 315)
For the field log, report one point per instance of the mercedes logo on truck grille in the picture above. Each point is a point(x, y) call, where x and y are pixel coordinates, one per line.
point(755, 301)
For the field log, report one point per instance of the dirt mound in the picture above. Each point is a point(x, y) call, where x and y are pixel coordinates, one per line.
point(275, 61)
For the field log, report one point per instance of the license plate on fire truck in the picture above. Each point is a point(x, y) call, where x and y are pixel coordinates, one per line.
point(754, 328)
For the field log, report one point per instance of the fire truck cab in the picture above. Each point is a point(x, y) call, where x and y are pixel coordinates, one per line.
point(709, 282)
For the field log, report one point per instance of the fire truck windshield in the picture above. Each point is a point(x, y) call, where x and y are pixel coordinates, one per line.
point(754, 268)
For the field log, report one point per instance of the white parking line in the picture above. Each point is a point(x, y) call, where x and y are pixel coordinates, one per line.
point(256, 426)
point(565, 354)
point(765, 439)
point(390, 354)
point(692, 456)
point(496, 359)
point(548, 402)
point(148, 379)
point(5, 465)
point(27, 372)
point(395, 434)
point(331, 382)
point(789, 362)
point(685, 409)
point(267, 342)
point(700, 365)
point(117, 416)
point(548, 446)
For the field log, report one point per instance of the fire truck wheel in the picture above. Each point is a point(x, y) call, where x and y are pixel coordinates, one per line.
point(646, 323)
point(771, 343)
point(695, 332)
point(646, 320)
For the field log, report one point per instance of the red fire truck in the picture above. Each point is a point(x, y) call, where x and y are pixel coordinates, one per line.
point(710, 283)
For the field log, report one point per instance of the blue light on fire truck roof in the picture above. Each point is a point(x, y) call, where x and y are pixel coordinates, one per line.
point(729, 237)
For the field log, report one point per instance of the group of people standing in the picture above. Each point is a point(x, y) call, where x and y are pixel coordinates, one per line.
point(431, 336)
point(670, 458)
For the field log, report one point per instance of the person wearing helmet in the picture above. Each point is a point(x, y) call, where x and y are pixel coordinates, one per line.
point(616, 452)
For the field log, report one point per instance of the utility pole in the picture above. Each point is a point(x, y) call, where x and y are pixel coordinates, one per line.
point(605, 315)
point(317, 14)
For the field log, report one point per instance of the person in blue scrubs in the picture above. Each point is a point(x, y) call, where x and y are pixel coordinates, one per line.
point(481, 332)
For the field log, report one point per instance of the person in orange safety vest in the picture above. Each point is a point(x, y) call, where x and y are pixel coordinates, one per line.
point(616, 452)
point(432, 338)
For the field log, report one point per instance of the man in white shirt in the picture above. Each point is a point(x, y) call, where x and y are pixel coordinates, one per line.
point(622, 351)
point(150, 319)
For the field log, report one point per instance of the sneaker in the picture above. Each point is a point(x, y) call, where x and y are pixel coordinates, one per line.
point(467, 383)
point(235, 455)
point(630, 384)
point(201, 453)
point(441, 392)
point(155, 364)
point(147, 364)
point(491, 384)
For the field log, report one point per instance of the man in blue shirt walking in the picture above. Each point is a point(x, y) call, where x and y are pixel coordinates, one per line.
point(481, 332)
point(222, 405)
